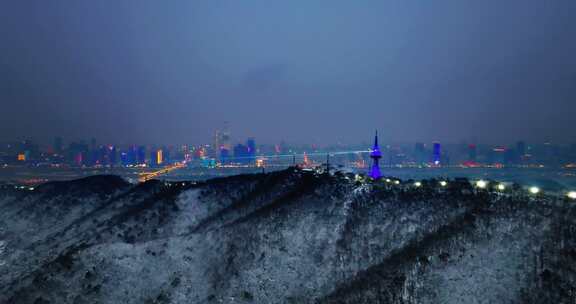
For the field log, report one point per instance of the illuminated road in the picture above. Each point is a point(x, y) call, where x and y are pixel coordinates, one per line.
point(146, 176)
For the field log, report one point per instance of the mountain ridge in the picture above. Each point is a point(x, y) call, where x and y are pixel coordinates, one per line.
point(290, 236)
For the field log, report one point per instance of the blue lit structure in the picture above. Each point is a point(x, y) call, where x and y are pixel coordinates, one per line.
point(251, 144)
point(112, 155)
point(132, 155)
point(241, 154)
point(141, 155)
point(437, 153)
point(375, 154)
point(224, 155)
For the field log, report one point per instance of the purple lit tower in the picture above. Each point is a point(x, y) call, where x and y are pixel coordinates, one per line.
point(375, 155)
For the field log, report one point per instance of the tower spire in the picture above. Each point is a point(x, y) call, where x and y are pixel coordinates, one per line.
point(375, 154)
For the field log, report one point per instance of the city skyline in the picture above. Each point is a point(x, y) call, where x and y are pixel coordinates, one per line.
point(234, 140)
point(226, 151)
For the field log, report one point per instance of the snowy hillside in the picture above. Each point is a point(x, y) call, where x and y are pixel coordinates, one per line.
point(285, 237)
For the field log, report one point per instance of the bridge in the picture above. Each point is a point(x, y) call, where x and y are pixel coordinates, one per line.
point(146, 176)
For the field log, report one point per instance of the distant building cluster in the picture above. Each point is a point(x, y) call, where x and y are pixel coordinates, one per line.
point(519, 154)
point(87, 154)
point(91, 153)
point(225, 152)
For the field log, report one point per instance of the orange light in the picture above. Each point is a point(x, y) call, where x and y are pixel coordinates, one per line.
point(259, 163)
point(21, 157)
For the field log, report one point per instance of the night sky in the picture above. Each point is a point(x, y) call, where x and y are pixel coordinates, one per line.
point(149, 71)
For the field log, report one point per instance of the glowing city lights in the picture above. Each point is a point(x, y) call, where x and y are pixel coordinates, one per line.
point(571, 195)
point(501, 187)
point(260, 162)
point(417, 184)
point(443, 183)
point(534, 190)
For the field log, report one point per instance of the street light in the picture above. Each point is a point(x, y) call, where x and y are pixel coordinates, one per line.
point(443, 183)
point(534, 190)
point(481, 184)
point(571, 195)
point(418, 184)
point(501, 187)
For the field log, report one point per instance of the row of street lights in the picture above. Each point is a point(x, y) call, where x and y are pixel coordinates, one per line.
point(482, 184)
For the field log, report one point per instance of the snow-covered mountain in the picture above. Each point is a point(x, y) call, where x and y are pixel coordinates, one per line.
point(285, 237)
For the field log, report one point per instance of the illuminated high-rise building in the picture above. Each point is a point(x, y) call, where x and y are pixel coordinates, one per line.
point(222, 145)
point(375, 154)
point(241, 154)
point(112, 155)
point(77, 153)
point(166, 156)
point(141, 155)
point(420, 155)
point(251, 144)
point(159, 157)
point(152, 159)
point(436, 153)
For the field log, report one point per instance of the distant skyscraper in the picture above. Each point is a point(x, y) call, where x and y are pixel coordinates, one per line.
point(159, 157)
point(375, 154)
point(132, 155)
point(222, 146)
point(166, 155)
point(241, 153)
point(224, 155)
point(497, 155)
point(141, 155)
point(521, 148)
point(251, 144)
point(78, 152)
point(152, 161)
point(112, 155)
point(420, 155)
point(436, 153)
point(124, 158)
point(93, 144)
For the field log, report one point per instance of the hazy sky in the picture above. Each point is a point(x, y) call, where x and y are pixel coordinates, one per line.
point(304, 71)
